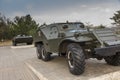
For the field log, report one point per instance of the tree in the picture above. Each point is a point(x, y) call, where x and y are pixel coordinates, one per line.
point(24, 25)
point(116, 18)
point(4, 27)
point(100, 26)
point(91, 26)
point(21, 25)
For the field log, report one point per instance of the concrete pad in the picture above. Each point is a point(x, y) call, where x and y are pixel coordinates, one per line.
point(57, 69)
point(22, 46)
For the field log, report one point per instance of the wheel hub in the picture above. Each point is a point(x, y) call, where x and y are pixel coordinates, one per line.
point(70, 59)
point(43, 53)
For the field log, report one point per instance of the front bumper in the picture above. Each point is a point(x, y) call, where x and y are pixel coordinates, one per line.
point(107, 51)
point(24, 40)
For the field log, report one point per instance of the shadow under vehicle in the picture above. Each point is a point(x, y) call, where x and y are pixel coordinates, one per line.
point(77, 42)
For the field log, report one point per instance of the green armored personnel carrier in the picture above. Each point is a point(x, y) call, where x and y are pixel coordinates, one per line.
point(76, 42)
point(22, 39)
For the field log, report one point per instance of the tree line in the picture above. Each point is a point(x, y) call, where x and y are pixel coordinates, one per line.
point(27, 26)
point(20, 25)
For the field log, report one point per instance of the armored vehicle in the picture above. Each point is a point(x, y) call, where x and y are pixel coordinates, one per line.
point(22, 39)
point(77, 42)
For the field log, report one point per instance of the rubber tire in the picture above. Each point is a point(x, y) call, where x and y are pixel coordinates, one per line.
point(14, 44)
point(62, 54)
point(113, 60)
point(78, 59)
point(38, 50)
point(46, 56)
point(29, 43)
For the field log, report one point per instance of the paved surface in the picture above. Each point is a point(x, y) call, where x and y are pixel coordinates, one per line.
point(15, 64)
point(57, 69)
point(12, 66)
point(22, 46)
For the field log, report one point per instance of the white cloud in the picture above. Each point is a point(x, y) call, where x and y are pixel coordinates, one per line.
point(107, 10)
point(83, 6)
point(101, 9)
point(95, 14)
point(95, 8)
point(94, 17)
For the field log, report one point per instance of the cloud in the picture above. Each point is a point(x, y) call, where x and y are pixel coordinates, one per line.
point(96, 16)
point(102, 9)
point(94, 11)
point(83, 6)
point(107, 10)
point(95, 8)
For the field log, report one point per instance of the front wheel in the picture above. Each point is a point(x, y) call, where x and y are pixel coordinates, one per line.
point(46, 56)
point(75, 59)
point(113, 60)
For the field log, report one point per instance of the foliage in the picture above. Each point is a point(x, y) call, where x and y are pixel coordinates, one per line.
point(20, 25)
point(116, 18)
point(91, 26)
point(100, 27)
point(24, 25)
point(4, 28)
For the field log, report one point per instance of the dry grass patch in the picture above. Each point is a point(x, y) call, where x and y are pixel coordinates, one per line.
point(6, 43)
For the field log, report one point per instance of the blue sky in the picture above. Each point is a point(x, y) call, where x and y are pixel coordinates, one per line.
point(94, 11)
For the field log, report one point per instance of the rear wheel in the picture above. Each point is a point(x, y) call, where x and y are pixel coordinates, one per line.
point(14, 44)
point(29, 43)
point(75, 59)
point(113, 60)
point(62, 54)
point(39, 56)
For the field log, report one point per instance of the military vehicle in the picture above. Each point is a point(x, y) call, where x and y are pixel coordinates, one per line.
point(77, 42)
point(22, 39)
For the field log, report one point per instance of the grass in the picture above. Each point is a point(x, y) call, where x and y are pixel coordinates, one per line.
point(6, 43)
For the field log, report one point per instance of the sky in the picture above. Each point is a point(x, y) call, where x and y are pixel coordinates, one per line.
point(95, 12)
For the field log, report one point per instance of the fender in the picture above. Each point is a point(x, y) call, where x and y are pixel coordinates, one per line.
point(78, 39)
point(64, 42)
